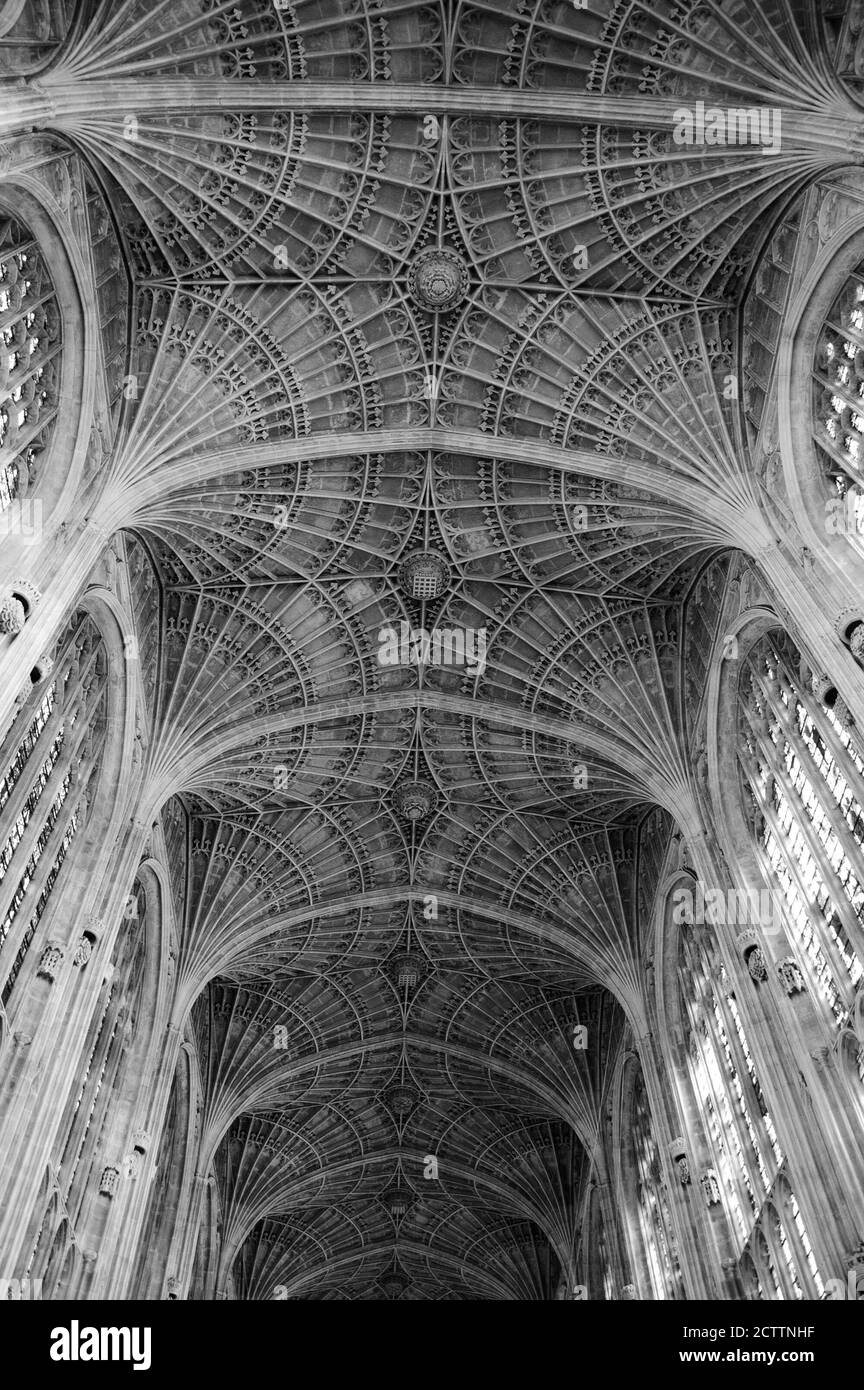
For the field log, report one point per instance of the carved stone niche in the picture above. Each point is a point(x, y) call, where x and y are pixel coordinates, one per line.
point(134, 1161)
point(42, 670)
point(710, 1187)
point(753, 955)
point(677, 1152)
point(790, 976)
point(849, 626)
point(11, 615)
point(84, 949)
point(109, 1180)
point(132, 1164)
point(824, 689)
point(50, 961)
point(679, 853)
point(17, 601)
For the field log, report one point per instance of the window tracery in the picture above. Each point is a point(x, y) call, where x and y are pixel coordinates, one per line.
point(724, 1080)
point(51, 755)
point(655, 1221)
point(777, 1261)
point(803, 780)
point(838, 391)
point(748, 1175)
point(30, 341)
point(112, 1034)
point(87, 1112)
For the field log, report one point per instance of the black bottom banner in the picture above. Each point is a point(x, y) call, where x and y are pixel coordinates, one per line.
point(164, 1340)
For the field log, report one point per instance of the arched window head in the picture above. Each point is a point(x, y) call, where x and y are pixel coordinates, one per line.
point(31, 31)
point(29, 369)
point(838, 405)
point(802, 778)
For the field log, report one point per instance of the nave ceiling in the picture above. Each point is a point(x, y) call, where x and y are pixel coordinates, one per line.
point(361, 330)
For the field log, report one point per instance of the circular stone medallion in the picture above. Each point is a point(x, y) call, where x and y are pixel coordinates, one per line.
point(437, 279)
point(424, 574)
point(415, 800)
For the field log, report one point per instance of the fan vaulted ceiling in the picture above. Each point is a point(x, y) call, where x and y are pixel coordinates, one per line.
point(425, 277)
